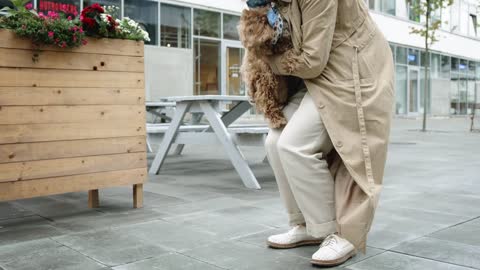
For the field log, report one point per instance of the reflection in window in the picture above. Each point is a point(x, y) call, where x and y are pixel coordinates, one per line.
point(445, 66)
point(69, 7)
point(435, 65)
point(230, 23)
point(115, 3)
point(145, 12)
point(401, 55)
point(413, 58)
point(401, 90)
point(455, 63)
point(175, 26)
point(207, 67)
point(412, 15)
point(206, 23)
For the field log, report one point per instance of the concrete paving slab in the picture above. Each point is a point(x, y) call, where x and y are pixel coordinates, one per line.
point(466, 233)
point(442, 250)
point(171, 261)
point(110, 247)
point(44, 255)
point(395, 261)
point(239, 255)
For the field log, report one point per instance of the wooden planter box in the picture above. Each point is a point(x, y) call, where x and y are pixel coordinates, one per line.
point(72, 121)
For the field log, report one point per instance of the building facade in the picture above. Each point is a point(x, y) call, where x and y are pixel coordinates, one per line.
point(195, 50)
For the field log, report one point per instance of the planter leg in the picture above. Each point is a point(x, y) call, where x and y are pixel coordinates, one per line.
point(93, 198)
point(138, 196)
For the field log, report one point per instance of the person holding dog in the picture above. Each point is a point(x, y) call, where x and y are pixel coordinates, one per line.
point(329, 159)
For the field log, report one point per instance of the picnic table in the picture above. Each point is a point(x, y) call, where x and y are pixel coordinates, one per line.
point(220, 130)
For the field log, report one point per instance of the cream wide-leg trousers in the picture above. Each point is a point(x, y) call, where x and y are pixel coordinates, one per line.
point(296, 154)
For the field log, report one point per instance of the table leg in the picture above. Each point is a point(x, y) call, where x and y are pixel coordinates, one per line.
point(93, 198)
point(238, 160)
point(181, 110)
point(196, 118)
point(138, 196)
point(149, 146)
point(236, 112)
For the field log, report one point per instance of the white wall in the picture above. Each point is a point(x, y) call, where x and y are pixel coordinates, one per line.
point(168, 72)
point(398, 31)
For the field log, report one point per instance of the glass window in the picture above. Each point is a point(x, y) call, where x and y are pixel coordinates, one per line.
point(176, 24)
point(435, 65)
point(423, 58)
point(478, 73)
point(69, 7)
point(230, 23)
point(445, 61)
point(206, 23)
point(207, 67)
point(471, 70)
point(145, 12)
point(401, 55)
point(115, 3)
point(401, 90)
point(412, 15)
point(422, 92)
point(455, 63)
point(463, 66)
point(454, 96)
point(413, 58)
point(388, 6)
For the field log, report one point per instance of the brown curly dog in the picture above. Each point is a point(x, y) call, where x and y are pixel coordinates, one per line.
point(268, 91)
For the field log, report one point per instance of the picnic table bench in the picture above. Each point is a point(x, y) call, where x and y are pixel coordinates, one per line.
point(220, 130)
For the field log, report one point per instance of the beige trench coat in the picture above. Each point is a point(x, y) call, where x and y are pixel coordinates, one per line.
point(348, 69)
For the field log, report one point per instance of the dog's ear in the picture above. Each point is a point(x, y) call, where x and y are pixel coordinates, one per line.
point(254, 29)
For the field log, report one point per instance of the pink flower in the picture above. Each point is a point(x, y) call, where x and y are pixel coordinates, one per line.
point(52, 15)
point(81, 30)
point(29, 6)
point(41, 15)
point(64, 44)
point(51, 34)
point(84, 42)
point(69, 18)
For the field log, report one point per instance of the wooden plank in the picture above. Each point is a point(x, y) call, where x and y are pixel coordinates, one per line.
point(68, 149)
point(93, 198)
point(94, 46)
point(68, 60)
point(70, 96)
point(20, 171)
point(21, 77)
point(16, 115)
point(69, 131)
point(59, 185)
point(138, 196)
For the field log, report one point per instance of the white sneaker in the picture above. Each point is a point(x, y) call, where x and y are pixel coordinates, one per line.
point(333, 251)
point(295, 237)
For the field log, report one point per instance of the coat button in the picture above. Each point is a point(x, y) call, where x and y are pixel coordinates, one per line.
point(339, 144)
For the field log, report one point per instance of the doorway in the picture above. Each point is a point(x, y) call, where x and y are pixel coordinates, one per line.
point(232, 83)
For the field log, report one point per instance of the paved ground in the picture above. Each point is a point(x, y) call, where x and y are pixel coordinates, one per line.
point(199, 216)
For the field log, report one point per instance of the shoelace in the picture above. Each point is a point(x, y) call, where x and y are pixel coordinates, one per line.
point(331, 239)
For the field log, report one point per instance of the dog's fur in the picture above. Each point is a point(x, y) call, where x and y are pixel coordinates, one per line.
point(268, 91)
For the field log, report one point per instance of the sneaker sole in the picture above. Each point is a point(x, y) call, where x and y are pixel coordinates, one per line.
point(334, 262)
point(294, 245)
